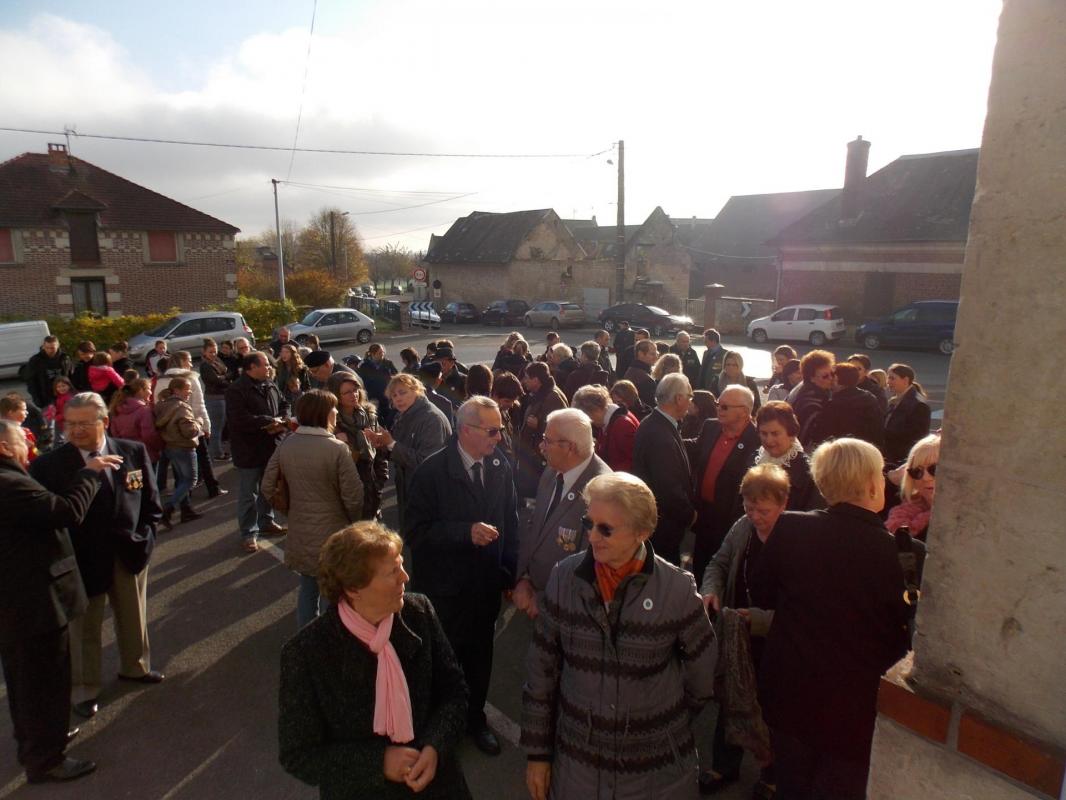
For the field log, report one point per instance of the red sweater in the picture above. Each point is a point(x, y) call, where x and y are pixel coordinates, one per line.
point(615, 444)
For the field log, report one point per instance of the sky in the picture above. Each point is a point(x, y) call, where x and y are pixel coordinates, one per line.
point(713, 98)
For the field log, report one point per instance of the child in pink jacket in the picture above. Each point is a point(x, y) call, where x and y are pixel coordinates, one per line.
point(103, 379)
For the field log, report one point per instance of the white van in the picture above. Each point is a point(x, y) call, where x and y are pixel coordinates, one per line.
point(19, 341)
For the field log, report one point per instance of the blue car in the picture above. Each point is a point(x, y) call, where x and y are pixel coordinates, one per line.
point(922, 324)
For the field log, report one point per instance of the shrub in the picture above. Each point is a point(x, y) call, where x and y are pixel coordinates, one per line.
point(263, 316)
point(315, 288)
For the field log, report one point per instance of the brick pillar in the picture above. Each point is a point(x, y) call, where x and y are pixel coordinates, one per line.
point(711, 293)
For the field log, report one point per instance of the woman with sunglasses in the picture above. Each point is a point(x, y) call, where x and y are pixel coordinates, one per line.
point(917, 489)
point(621, 661)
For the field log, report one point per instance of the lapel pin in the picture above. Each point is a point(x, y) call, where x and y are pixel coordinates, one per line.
point(570, 496)
point(495, 462)
point(648, 604)
point(740, 445)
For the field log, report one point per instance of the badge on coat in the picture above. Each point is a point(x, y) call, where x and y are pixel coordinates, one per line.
point(134, 480)
point(567, 539)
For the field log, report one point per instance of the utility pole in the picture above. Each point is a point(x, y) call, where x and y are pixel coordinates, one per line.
point(620, 256)
point(281, 255)
point(332, 247)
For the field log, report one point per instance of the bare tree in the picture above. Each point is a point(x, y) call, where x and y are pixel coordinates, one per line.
point(391, 263)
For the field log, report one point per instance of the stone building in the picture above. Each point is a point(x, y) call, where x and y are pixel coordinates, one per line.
point(75, 237)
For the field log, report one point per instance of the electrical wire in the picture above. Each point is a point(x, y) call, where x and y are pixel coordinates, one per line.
point(725, 255)
point(303, 89)
point(361, 189)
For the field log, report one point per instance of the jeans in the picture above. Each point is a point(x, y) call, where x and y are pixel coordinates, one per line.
point(183, 460)
point(308, 602)
point(216, 412)
point(253, 510)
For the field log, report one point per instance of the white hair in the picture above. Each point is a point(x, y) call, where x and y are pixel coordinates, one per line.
point(574, 426)
point(670, 387)
point(469, 413)
point(743, 391)
point(88, 400)
point(562, 351)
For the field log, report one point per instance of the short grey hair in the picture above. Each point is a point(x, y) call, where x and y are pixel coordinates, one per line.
point(670, 387)
point(590, 351)
point(88, 400)
point(590, 397)
point(576, 427)
point(743, 391)
point(560, 350)
point(469, 413)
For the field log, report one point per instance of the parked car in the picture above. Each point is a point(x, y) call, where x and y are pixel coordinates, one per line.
point(504, 312)
point(554, 314)
point(369, 290)
point(925, 323)
point(19, 342)
point(334, 325)
point(658, 321)
point(424, 315)
point(460, 312)
point(812, 323)
point(187, 332)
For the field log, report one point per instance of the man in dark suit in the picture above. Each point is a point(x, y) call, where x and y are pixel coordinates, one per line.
point(461, 523)
point(555, 531)
point(624, 339)
point(112, 544)
point(40, 593)
point(723, 453)
point(661, 461)
point(645, 354)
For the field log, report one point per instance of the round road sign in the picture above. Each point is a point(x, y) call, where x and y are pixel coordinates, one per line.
point(420, 274)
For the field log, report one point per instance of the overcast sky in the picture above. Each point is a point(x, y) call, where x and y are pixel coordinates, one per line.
point(712, 97)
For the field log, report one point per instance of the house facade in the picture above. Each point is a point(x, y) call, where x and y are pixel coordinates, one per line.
point(76, 238)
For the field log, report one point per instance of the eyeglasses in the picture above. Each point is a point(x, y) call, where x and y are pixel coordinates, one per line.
point(492, 433)
point(605, 530)
point(916, 473)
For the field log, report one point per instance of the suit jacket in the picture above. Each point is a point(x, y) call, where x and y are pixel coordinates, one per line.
point(442, 505)
point(122, 529)
point(660, 460)
point(250, 407)
point(727, 507)
point(41, 590)
point(640, 374)
point(548, 541)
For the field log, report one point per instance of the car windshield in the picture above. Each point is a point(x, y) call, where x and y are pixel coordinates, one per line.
point(659, 311)
point(163, 329)
point(311, 318)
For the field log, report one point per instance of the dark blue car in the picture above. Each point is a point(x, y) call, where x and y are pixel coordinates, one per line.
point(922, 324)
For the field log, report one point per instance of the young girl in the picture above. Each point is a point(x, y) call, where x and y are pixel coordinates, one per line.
point(63, 390)
point(103, 379)
point(13, 408)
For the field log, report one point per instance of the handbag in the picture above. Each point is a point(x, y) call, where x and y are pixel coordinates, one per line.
point(279, 501)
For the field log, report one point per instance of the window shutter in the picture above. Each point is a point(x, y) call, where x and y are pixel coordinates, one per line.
point(162, 247)
point(7, 246)
point(84, 246)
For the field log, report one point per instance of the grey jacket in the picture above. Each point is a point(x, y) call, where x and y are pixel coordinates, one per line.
point(546, 542)
point(325, 492)
point(418, 432)
point(610, 693)
point(720, 577)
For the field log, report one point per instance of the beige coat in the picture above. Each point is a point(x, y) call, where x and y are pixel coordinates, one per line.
point(176, 423)
point(325, 492)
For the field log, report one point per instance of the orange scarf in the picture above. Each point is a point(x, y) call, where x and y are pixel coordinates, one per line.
point(608, 578)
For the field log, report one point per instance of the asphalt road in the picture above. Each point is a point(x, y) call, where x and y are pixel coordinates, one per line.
point(217, 621)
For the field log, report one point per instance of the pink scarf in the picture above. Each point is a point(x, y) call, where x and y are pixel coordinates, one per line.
point(392, 700)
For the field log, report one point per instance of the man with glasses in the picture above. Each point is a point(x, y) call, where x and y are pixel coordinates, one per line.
point(810, 397)
point(461, 523)
point(555, 530)
point(723, 453)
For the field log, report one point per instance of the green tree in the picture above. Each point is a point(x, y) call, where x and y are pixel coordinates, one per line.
point(329, 242)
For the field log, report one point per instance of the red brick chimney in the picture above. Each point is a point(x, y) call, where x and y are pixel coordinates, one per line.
point(854, 179)
point(58, 160)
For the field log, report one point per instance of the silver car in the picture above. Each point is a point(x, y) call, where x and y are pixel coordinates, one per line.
point(187, 332)
point(334, 325)
point(555, 314)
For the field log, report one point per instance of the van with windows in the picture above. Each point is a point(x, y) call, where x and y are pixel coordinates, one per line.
point(19, 342)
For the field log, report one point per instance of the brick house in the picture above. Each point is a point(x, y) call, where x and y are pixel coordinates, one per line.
point(75, 237)
point(891, 238)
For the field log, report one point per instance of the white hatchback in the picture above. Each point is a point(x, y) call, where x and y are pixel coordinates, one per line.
point(812, 323)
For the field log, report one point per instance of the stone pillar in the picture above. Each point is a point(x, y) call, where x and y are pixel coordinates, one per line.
point(711, 293)
point(983, 711)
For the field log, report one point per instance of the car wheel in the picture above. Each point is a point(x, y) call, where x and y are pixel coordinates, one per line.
point(555, 324)
point(817, 338)
point(759, 336)
point(871, 342)
point(528, 322)
point(364, 336)
point(608, 325)
point(947, 347)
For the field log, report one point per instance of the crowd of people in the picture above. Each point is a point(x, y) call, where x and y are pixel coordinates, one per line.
point(674, 530)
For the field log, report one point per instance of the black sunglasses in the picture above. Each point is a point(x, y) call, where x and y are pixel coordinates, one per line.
point(603, 528)
point(916, 473)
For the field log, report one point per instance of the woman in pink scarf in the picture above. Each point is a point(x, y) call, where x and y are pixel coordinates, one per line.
point(917, 489)
point(372, 699)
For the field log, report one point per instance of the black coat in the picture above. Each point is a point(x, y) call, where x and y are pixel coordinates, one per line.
point(906, 423)
point(834, 581)
point(327, 697)
point(623, 350)
point(808, 404)
point(719, 385)
point(803, 495)
point(727, 507)
point(849, 412)
point(41, 590)
point(511, 362)
point(711, 368)
point(442, 505)
point(661, 461)
point(690, 364)
point(640, 375)
point(40, 373)
point(79, 376)
point(125, 529)
point(251, 406)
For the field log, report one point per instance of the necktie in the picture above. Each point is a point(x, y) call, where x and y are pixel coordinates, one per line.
point(106, 494)
point(557, 495)
point(479, 484)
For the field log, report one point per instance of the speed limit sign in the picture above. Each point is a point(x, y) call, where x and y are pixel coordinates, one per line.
point(420, 274)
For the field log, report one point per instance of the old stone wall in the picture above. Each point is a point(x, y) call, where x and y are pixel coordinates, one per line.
point(730, 314)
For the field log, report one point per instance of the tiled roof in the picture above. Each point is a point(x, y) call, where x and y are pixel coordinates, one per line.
point(916, 198)
point(485, 237)
point(32, 194)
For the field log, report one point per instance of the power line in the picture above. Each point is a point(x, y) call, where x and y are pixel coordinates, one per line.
point(303, 89)
point(399, 208)
point(726, 255)
point(328, 150)
point(361, 189)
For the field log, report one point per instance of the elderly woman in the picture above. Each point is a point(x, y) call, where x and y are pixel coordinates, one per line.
point(324, 492)
point(614, 425)
point(372, 700)
point(727, 584)
point(908, 414)
point(834, 581)
point(733, 373)
point(621, 660)
point(355, 416)
point(779, 431)
point(420, 429)
point(917, 489)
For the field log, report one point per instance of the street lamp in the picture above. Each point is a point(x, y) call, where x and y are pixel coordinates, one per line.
point(333, 245)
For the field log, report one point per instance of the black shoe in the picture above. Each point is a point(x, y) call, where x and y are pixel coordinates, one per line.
point(712, 783)
point(188, 514)
point(86, 708)
point(216, 491)
point(66, 770)
point(487, 742)
point(273, 529)
point(166, 521)
point(152, 676)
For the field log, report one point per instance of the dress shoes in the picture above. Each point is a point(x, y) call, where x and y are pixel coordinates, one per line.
point(486, 742)
point(152, 676)
point(86, 708)
point(273, 529)
point(66, 770)
point(188, 514)
point(216, 491)
point(72, 734)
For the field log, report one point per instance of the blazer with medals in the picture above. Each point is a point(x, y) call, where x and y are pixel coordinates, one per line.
point(549, 540)
point(120, 522)
point(442, 506)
